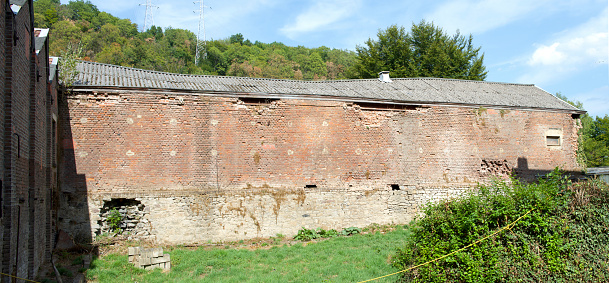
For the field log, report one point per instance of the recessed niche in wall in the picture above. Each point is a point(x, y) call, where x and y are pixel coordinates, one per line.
point(257, 100)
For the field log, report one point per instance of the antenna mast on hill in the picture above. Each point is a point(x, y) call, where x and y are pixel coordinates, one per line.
point(201, 45)
point(148, 19)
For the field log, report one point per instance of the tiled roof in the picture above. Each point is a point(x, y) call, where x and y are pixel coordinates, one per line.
point(16, 5)
point(53, 67)
point(408, 90)
point(17, 2)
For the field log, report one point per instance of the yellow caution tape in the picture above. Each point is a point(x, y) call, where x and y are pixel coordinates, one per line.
point(509, 226)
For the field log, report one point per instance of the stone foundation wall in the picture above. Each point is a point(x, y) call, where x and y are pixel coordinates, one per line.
point(200, 217)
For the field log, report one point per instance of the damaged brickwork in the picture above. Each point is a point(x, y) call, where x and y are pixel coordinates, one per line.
point(225, 168)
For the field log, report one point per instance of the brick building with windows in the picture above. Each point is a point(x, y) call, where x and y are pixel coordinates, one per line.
point(29, 115)
point(188, 159)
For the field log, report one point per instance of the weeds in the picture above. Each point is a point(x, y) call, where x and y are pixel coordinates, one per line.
point(114, 221)
point(305, 234)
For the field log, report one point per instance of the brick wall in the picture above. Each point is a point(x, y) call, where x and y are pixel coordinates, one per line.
point(226, 168)
point(3, 40)
point(40, 128)
point(26, 144)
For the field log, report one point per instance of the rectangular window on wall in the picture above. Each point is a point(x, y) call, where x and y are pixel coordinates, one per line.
point(553, 140)
point(553, 137)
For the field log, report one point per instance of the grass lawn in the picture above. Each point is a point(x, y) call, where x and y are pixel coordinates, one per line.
point(340, 259)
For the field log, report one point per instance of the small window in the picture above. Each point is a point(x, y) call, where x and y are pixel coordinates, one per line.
point(553, 140)
point(258, 100)
point(395, 187)
point(310, 186)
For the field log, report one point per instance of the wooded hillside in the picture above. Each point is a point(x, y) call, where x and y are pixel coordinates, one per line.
point(79, 27)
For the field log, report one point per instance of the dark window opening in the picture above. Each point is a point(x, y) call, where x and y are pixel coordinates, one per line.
point(118, 202)
point(575, 116)
point(18, 145)
point(257, 100)
point(310, 186)
point(395, 187)
point(386, 106)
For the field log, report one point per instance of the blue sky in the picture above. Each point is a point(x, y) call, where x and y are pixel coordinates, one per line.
point(558, 45)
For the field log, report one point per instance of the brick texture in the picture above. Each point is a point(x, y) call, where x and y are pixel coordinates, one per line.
point(26, 142)
point(224, 168)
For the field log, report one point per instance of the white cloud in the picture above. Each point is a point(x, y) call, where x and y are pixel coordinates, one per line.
point(547, 55)
point(471, 16)
point(581, 48)
point(321, 16)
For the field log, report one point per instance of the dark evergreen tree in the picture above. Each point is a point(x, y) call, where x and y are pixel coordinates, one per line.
point(426, 51)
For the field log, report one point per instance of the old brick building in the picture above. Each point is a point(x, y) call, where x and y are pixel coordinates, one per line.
point(195, 158)
point(29, 115)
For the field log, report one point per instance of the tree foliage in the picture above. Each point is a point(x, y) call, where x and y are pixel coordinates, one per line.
point(108, 39)
point(425, 51)
point(593, 137)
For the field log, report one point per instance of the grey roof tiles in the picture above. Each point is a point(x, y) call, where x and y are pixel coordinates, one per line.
point(407, 90)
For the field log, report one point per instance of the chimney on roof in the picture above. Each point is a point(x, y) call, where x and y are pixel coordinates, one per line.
point(384, 77)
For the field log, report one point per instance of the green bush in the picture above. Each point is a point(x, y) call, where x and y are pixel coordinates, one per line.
point(114, 221)
point(350, 231)
point(564, 237)
point(327, 233)
point(305, 234)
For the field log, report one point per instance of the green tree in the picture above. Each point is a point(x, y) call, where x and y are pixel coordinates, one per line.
point(426, 51)
point(314, 67)
point(593, 137)
point(67, 64)
point(45, 13)
point(236, 39)
point(81, 10)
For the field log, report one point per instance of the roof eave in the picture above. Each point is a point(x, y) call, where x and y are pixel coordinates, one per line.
point(316, 97)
